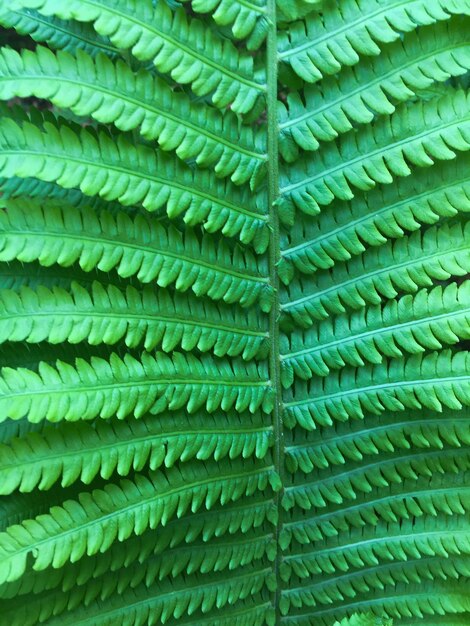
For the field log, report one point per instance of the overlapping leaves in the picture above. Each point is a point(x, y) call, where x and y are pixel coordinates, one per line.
point(233, 331)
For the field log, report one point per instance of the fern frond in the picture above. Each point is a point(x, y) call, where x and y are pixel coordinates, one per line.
point(445, 492)
point(248, 20)
point(177, 535)
point(345, 484)
point(398, 601)
point(98, 519)
point(190, 560)
point(224, 400)
point(58, 34)
point(373, 87)
point(134, 247)
point(83, 451)
point(318, 47)
point(131, 174)
point(435, 381)
point(254, 515)
point(344, 229)
point(378, 435)
point(417, 133)
point(374, 579)
point(112, 93)
point(183, 47)
point(412, 324)
point(32, 193)
point(187, 559)
point(388, 543)
point(123, 386)
point(65, 606)
point(108, 315)
point(400, 266)
point(164, 601)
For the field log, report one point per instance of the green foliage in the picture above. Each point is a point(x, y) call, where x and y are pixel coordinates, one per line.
point(234, 313)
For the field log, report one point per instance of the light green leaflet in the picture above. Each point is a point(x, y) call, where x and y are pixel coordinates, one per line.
point(235, 313)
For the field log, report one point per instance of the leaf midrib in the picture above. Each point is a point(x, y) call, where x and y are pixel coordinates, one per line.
point(166, 382)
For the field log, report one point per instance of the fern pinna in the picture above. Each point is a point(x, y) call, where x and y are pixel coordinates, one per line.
point(234, 313)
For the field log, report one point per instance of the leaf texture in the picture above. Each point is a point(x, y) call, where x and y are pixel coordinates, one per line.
point(123, 386)
point(104, 241)
point(105, 314)
point(248, 20)
point(97, 165)
point(435, 381)
point(373, 87)
point(417, 134)
point(411, 324)
point(40, 459)
point(58, 34)
point(316, 48)
point(129, 498)
point(130, 101)
point(345, 230)
point(234, 313)
point(173, 43)
point(400, 266)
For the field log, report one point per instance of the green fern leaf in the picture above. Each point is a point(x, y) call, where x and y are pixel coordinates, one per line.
point(316, 48)
point(131, 101)
point(107, 315)
point(97, 165)
point(58, 34)
point(412, 324)
point(173, 43)
point(248, 20)
point(122, 386)
point(400, 266)
point(345, 230)
point(28, 463)
point(416, 134)
point(123, 503)
point(234, 313)
point(435, 381)
point(381, 434)
point(102, 240)
point(372, 87)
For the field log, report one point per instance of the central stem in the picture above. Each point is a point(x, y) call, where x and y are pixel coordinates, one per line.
point(274, 258)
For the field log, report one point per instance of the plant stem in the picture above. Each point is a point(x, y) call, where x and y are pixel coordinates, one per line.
point(274, 257)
